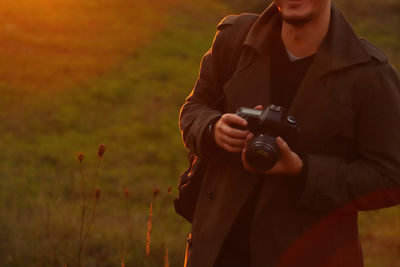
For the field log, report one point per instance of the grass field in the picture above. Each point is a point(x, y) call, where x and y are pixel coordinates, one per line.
point(131, 104)
point(76, 74)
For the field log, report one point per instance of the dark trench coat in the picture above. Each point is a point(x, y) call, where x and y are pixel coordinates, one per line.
point(348, 107)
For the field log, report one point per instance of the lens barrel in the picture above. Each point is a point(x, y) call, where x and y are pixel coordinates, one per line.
point(262, 153)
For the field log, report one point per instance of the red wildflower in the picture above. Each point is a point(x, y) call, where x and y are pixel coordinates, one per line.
point(80, 157)
point(101, 150)
point(127, 193)
point(156, 192)
point(97, 194)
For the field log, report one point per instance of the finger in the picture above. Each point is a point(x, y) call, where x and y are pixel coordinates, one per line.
point(243, 157)
point(259, 107)
point(234, 133)
point(234, 119)
point(236, 142)
point(244, 161)
point(248, 139)
point(283, 146)
point(230, 148)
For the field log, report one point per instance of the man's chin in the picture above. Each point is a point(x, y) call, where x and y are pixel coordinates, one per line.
point(296, 20)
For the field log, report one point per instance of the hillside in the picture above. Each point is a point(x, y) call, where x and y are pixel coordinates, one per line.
point(76, 74)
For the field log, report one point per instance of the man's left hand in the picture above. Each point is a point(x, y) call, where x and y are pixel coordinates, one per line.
point(289, 163)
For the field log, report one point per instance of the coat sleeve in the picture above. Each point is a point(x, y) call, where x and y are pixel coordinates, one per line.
point(202, 107)
point(371, 181)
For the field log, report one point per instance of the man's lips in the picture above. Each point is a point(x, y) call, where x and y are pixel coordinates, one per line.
point(295, 3)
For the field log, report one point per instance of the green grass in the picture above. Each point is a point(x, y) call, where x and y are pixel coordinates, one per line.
point(133, 109)
point(131, 104)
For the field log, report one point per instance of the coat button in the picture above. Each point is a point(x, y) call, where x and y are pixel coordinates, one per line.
point(210, 196)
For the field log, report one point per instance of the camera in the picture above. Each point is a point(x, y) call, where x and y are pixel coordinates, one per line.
point(262, 152)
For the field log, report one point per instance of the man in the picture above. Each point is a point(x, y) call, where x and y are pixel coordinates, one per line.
point(341, 90)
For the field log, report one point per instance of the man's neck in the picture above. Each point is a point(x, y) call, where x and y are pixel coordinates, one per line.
point(304, 40)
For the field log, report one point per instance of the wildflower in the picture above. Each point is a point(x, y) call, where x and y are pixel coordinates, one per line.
point(156, 192)
point(101, 150)
point(127, 193)
point(169, 189)
point(80, 157)
point(97, 194)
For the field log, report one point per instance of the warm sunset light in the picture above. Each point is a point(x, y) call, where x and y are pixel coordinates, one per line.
point(211, 133)
point(53, 44)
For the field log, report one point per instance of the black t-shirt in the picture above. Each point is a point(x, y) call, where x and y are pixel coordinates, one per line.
point(286, 76)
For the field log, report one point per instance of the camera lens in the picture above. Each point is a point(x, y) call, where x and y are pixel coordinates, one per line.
point(262, 153)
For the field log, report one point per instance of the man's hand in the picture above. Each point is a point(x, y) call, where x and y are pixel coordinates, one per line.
point(289, 162)
point(228, 137)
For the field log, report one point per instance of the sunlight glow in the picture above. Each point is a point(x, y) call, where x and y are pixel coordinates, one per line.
point(56, 43)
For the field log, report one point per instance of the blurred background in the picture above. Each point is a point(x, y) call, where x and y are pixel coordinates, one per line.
point(74, 74)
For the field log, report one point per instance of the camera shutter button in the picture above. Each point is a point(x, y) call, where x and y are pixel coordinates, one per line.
point(291, 119)
point(276, 108)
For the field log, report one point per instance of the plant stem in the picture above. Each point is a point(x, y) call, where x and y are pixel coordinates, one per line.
point(81, 240)
point(92, 219)
point(149, 227)
point(95, 178)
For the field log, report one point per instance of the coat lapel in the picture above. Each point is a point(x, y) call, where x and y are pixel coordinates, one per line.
point(249, 87)
point(250, 84)
point(317, 106)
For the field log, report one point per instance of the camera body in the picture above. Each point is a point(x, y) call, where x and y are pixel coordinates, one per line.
point(262, 152)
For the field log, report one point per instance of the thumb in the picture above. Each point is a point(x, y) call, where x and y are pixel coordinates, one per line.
point(283, 146)
point(247, 140)
point(259, 107)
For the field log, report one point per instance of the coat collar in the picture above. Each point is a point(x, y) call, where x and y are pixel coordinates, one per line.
point(340, 49)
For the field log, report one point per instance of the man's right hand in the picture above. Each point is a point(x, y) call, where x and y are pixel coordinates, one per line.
point(227, 136)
